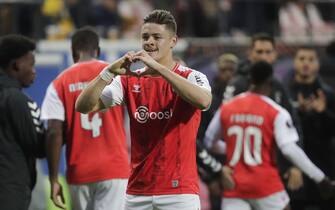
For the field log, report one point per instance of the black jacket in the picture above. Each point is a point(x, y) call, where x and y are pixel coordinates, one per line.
point(318, 131)
point(21, 142)
point(318, 128)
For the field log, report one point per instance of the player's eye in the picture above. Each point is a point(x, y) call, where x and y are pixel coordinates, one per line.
point(145, 37)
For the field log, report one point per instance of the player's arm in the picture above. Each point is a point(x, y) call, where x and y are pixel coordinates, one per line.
point(286, 137)
point(25, 119)
point(53, 148)
point(54, 113)
point(204, 159)
point(207, 162)
point(213, 134)
point(90, 100)
point(197, 94)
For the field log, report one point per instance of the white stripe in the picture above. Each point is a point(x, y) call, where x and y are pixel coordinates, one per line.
point(35, 114)
point(37, 122)
point(32, 105)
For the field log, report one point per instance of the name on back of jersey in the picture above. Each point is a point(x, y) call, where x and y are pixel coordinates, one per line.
point(77, 86)
point(247, 118)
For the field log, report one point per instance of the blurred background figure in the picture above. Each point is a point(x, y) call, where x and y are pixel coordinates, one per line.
point(315, 102)
point(226, 67)
point(327, 69)
point(303, 18)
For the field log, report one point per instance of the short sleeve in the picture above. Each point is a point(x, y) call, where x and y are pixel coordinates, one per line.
point(52, 106)
point(284, 130)
point(112, 95)
point(199, 79)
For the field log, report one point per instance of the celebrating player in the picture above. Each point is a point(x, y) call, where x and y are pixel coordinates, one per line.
point(164, 101)
point(252, 125)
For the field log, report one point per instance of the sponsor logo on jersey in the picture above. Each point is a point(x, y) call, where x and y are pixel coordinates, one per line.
point(142, 114)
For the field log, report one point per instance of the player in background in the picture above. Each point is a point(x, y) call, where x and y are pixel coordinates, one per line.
point(315, 101)
point(22, 136)
point(253, 125)
point(96, 153)
point(263, 48)
point(164, 101)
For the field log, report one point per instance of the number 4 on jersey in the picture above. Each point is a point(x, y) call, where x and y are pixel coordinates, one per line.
point(93, 125)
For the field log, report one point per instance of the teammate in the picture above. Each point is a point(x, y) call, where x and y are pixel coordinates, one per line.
point(252, 125)
point(21, 131)
point(96, 153)
point(263, 48)
point(164, 101)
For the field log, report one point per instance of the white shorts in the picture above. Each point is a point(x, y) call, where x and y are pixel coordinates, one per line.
point(163, 202)
point(276, 201)
point(104, 195)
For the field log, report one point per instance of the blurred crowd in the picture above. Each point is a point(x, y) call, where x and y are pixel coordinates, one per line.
point(113, 19)
point(305, 89)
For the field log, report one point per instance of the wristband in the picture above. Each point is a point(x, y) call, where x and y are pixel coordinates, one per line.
point(106, 75)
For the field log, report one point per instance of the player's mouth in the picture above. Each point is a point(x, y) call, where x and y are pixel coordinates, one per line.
point(151, 50)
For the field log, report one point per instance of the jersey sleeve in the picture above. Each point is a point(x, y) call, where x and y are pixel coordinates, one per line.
point(112, 95)
point(199, 79)
point(25, 119)
point(52, 106)
point(213, 132)
point(284, 130)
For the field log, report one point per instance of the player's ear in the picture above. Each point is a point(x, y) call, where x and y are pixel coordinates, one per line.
point(174, 40)
point(14, 65)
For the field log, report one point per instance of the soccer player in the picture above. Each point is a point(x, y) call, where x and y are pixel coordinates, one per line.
point(96, 153)
point(263, 48)
point(164, 101)
point(252, 126)
point(21, 131)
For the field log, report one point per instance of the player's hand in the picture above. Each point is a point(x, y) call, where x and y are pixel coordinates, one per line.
point(294, 179)
point(305, 104)
point(143, 56)
point(227, 179)
point(319, 103)
point(122, 65)
point(327, 188)
point(57, 195)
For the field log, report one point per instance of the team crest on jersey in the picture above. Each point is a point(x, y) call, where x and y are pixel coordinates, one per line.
point(136, 88)
point(175, 183)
